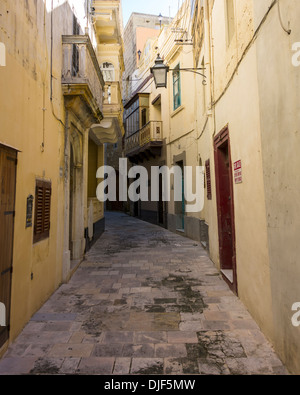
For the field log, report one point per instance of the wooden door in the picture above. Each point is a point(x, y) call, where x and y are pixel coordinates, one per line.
point(8, 164)
point(225, 208)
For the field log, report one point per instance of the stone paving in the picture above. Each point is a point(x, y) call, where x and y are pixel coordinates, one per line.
point(144, 301)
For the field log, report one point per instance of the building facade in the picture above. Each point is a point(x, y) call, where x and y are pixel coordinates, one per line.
point(236, 115)
point(139, 28)
point(55, 124)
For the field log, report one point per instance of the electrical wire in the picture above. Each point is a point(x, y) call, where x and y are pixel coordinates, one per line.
point(44, 81)
point(147, 86)
point(288, 31)
point(251, 42)
point(51, 70)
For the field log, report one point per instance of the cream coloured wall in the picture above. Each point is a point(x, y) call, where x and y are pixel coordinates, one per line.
point(261, 107)
point(253, 89)
point(237, 105)
point(278, 82)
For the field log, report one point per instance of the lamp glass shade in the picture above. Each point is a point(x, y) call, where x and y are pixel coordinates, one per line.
point(160, 71)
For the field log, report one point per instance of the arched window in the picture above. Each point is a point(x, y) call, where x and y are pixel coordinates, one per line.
point(108, 72)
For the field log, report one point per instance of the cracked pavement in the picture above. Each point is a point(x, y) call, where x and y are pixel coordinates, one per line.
point(144, 301)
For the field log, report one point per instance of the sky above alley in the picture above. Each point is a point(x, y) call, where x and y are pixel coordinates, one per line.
point(155, 7)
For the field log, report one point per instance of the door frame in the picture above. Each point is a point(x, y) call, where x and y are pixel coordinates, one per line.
point(179, 207)
point(12, 155)
point(219, 141)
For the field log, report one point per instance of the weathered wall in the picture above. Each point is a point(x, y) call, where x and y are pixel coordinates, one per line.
point(237, 105)
point(279, 97)
point(31, 124)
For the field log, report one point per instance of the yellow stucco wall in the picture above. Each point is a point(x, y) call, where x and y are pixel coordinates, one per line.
point(25, 125)
point(33, 122)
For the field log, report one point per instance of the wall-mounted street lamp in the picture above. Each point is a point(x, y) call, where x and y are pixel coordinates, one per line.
point(160, 18)
point(160, 72)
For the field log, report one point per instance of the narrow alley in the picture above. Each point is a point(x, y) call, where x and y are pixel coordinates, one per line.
point(144, 301)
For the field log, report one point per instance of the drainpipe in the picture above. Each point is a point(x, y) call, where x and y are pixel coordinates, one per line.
point(209, 60)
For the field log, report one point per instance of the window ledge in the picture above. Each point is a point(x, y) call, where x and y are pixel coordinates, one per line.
point(175, 112)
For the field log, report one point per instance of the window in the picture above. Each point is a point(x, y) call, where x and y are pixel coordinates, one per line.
point(176, 88)
point(75, 54)
point(230, 20)
point(42, 210)
point(108, 71)
point(208, 180)
point(133, 119)
point(144, 117)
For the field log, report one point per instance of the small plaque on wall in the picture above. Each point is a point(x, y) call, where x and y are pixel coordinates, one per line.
point(29, 211)
point(238, 176)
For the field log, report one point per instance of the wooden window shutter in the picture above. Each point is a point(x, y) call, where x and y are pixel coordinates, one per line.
point(208, 180)
point(42, 210)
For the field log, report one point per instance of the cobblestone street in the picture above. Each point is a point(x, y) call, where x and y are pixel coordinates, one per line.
point(144, 301)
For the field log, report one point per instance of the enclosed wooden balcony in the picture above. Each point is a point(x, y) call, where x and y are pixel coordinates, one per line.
point(112, 102)
point(146, 143)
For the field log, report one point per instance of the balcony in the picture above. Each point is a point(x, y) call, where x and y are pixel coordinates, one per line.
point(110, 129)
point(112, 103)
point(82, 80)
point(146, 143)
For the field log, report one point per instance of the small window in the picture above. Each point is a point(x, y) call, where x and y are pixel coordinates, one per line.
point(144, 117)
point(75, 53)
point(108, 71)
point(42, 210)
point(176, 88)
point(208, 180)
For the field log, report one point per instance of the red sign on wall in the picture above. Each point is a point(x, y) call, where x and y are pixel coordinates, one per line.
point(238, 178)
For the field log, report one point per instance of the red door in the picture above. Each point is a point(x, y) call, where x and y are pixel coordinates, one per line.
point(225, 208)
point(8, 160)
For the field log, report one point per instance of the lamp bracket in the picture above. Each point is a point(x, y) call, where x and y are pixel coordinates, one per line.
point(193, 70)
